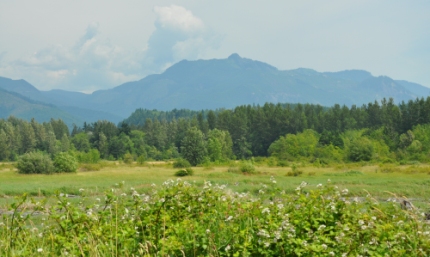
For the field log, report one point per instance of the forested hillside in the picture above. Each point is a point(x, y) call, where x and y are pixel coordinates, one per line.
point(380, 131)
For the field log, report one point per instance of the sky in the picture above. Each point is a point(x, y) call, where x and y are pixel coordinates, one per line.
point(82, 45)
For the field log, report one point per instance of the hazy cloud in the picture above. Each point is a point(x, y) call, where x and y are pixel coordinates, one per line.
point(95, 63)
point(178, 35)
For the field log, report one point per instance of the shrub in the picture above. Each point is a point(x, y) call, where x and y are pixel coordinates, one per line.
point(181, 163)
point(184, 172)
point(64, 162)
point(294, 172)
point(247, 167)
point(35, 163)
point(93, 156)
point(128, 158)
point(282, 163)
point(141, 160)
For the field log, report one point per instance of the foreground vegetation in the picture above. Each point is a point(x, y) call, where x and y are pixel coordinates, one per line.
point(180, 218)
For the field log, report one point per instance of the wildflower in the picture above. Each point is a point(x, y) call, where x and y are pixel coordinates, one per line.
point(280, 206)
point(207, 231)
point(319, 185)
point(321, 227)
point(266, 244)
point(265, 210)
point(360, 222)
point(345, 191)
point(162, 200)
point(229, 218)
point(227, 248)
point(324, 246)
point(81, 190)
point(39, 250)
point(331, 253)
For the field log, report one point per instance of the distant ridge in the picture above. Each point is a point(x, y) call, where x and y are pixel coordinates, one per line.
point(223, 83)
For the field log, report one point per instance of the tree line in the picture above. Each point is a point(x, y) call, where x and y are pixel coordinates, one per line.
point(378, 130)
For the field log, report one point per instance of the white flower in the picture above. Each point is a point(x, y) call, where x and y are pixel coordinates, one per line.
point(207, 231)
point(39, 250)
point(227, 248)
point(331, 253)
point(324, 246)
point(321, 227)
point(319, 185)
point(360, 222)
point(81, 190)
point(229, 218)
point(162, 200)
point(265, 210)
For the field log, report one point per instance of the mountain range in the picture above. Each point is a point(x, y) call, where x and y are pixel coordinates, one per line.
point(204, 84)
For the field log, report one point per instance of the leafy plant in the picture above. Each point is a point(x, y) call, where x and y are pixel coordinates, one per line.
point(35, 163)
point(64, 162)
point(181, 163)
point(184, 172)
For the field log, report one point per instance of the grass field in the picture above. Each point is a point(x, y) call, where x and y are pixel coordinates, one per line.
point(198, 218)
point(378, 180)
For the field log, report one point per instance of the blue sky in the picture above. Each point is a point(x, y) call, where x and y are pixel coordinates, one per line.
point(85, 45)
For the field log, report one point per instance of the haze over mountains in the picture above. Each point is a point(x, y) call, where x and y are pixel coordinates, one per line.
point(204, 84)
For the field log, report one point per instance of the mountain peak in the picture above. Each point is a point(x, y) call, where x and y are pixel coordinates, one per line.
point(234, 56)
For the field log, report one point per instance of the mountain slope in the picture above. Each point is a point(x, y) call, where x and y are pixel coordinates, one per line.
point(226, 83)
point(13, 104)
point(67, 105)
point(223, 83)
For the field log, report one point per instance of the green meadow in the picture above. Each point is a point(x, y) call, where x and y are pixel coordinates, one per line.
point(382, 181)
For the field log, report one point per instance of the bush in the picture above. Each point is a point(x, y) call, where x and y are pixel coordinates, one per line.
point(128, 158)
point(181, 163)
point(35, 163)
point(247, 167)
point(184, 172)
point(294, 172)
point(282, 163)
point(64, 162)
point(93, 156)
point(141, 160)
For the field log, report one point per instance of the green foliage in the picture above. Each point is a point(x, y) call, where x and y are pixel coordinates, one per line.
point(81, 142)
point(35, 163)
point(294, 171)
point(360, 149)
point(64, 162)
point(293, 146)
point(184, 172)
point(92, 156)
point(193, 147)
point(141, 159)
point(181, 163)
point(128, 158)
point(247, 167)
point(182, 219)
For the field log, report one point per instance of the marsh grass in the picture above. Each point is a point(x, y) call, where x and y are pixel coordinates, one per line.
point(406, 180)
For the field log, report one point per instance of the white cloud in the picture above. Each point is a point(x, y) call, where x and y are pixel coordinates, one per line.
point(177, 18)
point(178, 35)
point(93, 62)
